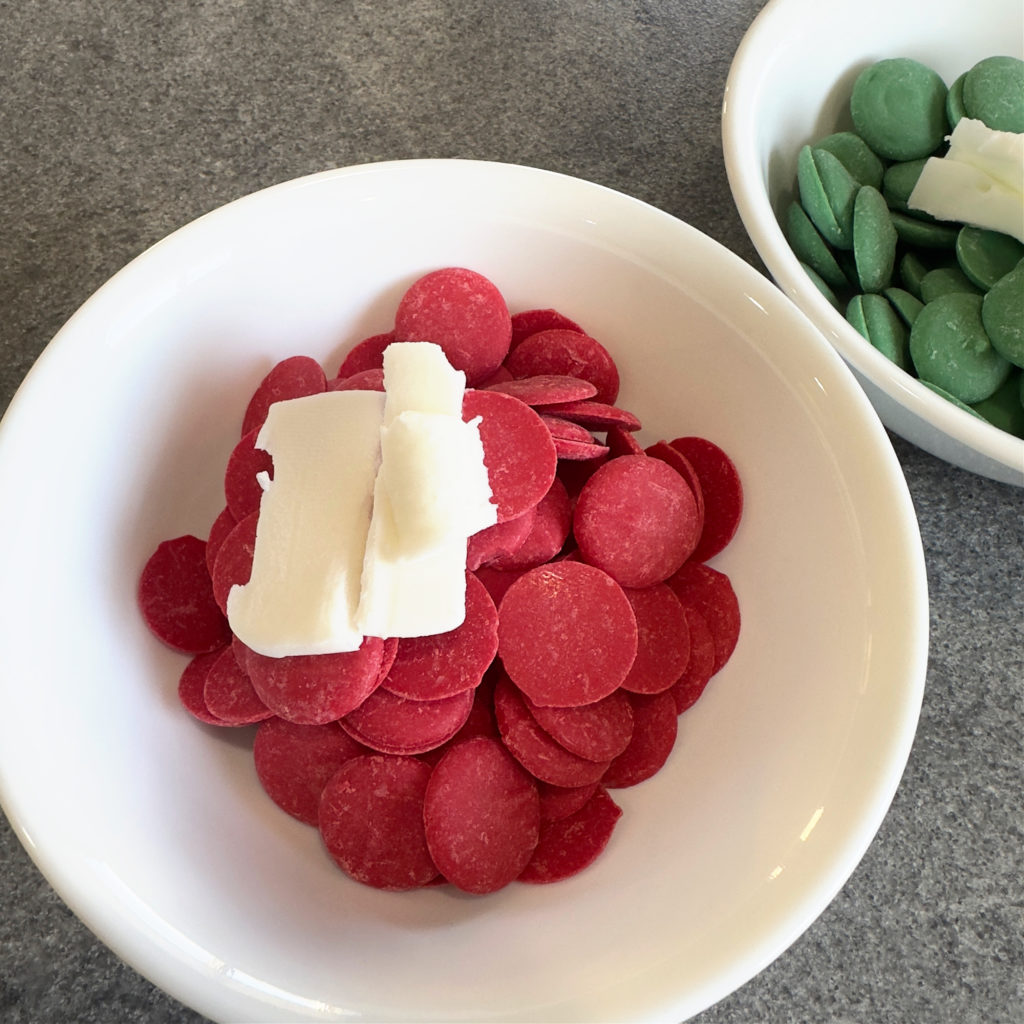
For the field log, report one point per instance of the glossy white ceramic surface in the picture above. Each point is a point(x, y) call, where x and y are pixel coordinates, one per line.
point(790, 84)
point(154, 828)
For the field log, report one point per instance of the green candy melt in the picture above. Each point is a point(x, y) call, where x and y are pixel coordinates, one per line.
point(856, 156)
point(873, 316)
point(1004, 409)
point(952, 399)
point(924, 234)
point(899, 108)
point(811, 249)
point(955, 101)
point(942, 299)
point(821, 284)
point(994, 93)
point(950, 348)
point(912, 270)
point(827, 194)
point(986, 256)
point(1002, 315)
point(942, 281)
point(899, 181)
point(874, 240)
point(905, 304)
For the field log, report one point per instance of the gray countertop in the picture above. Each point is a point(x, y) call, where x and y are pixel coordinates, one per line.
point(120, 121)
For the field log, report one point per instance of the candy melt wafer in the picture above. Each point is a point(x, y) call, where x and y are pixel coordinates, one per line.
point(518, 450)
point(432, 667)
point(229, 695)
point(482, 816)
point(637, 520)
point(242, 489)
point(535, 748)
point(371, 819)
point(568, 353)
point(177, 600)
point(483, 755)
point(566, 634)
point(461, 311)
point(312, 689)
point(290, 378)
point(569, 844)
point(295, 762)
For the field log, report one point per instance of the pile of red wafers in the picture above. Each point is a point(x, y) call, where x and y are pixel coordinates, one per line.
point(486, 754)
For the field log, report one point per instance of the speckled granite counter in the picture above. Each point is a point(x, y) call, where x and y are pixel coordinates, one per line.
point(123, 121)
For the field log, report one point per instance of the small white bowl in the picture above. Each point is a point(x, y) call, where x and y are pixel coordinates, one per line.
point(790, 84)
point(154, 829)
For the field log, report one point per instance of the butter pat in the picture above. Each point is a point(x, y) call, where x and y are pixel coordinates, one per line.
point(980, 180)
point(303, 594)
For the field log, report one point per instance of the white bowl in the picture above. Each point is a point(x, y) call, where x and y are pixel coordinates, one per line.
point(790, 84)
point(155, 830)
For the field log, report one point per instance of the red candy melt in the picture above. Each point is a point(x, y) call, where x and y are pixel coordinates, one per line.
point(568, 845)
point(549, 530)
point(598, 731)
point(192, 687)
point(464, 313)
point(313, 689)
point(295, 377)
point(482, 816)
point(534, 748)
point(176, 597)
point(532, 321)
point(721, 489)
point(663, 647)
point(242, 488)
point(395, 725)
point(518, 450)
point(233, 563)
point(432, 667)
point(557, 802)
point(294, 763)
point(566, 634)
point(566, 353)
point(222, 526)
point(637, 520)
point(229, 695)
point(711, 593)
point(367, 354)
point(655, 726)
point(546, 389)
point(700, 667)
point(371, 821)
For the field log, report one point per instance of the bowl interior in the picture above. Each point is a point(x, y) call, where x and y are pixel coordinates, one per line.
point(789, 85)
point(154, 829)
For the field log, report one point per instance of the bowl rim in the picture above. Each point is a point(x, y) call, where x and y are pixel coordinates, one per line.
point(153, 962)
point(745, 82)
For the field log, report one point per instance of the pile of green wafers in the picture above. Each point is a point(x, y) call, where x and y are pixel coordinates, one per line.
point(943, 300)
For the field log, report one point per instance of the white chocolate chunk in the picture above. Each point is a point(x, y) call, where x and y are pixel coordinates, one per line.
point(303, 594)
point(999, 154)
point(409, 597)
point(364, 523)
point(980, 180)
point(418, 378)
point(432, 469)
point(431, 494)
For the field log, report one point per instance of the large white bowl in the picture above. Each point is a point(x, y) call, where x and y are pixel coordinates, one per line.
point(790, 84)
point(154, 828)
